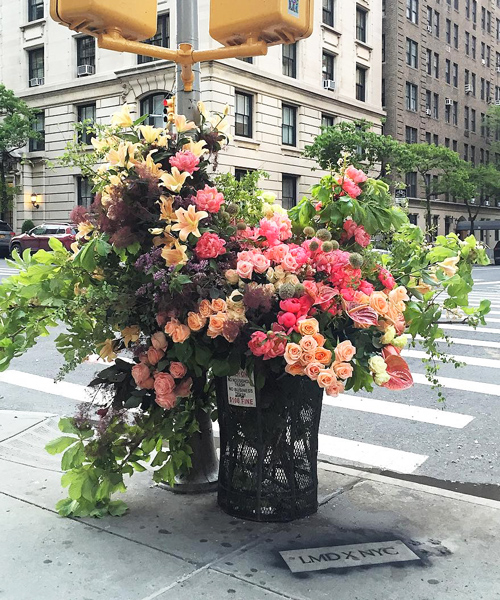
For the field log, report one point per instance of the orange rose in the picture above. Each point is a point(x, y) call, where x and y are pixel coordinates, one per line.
point(181, 334)
point(319, 338)
point(159, 341)
point(294, 369)
point(154, 355)
point(342, 370)
point(205, 308)
point(293, 352)
point(399, 294)
point(313, 369)
point(379, 303)
point(195, 321)
point(345, 351)
point(216, 325)
point(326, 378)
point(361, 298)
point(177, 370)
point(308, 327)
point(171, 326)
point(323, 356)
point(219, 305)
point(335, 389)
point(308, 343)
point(306, 358)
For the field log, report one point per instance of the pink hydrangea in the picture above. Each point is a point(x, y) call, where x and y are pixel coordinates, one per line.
point(270, 230)
point(185, 161)
point(356, 175)
point(210, 245)
point(386, 279)
point(209, 199)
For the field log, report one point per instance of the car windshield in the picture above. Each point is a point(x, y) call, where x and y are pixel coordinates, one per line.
point(5, 226)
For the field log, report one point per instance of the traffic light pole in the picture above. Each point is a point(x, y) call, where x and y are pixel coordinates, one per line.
point(187, 33)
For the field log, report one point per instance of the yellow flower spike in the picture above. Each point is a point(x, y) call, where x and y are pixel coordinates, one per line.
point(197, 148)
point(226, 110)
point(221, 125)
point(203, 110)
point(84, 229)
point(449, 265)
point(150, 133)
point(175, 180)
point(176, 255)
point(166, 211)
point(155, 168)
point(122, 118)
point(182, 124)
point(130, 334)
point(107, 350)
point(188, 221)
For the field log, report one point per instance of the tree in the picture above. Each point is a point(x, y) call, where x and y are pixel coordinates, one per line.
point(485, 180)
point(492, 121)
point(370, 151)
point(16, 128)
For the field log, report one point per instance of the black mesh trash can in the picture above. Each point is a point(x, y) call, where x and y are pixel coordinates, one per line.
point(268, 453)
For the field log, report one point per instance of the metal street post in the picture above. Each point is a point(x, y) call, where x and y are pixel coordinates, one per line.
point(187, 33)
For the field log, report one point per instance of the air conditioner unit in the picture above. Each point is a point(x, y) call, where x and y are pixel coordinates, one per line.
point(448, 48)
point(498, 69)
point(497, 102)
point(428, 112)
point(36, 81)
point(472, 201)
point(83, 70)
point(448, 102)
point(483, 62)
point(329, 84)
point(468, 89)
point(429, 28)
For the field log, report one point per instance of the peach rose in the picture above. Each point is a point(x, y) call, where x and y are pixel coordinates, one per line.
point(164, 384)
point(306, 358)
point(154, 355)
point(183, 390)
point(232, 276)
point(323, 356)
point(345, 351)
point(361, 298)
point(216, 325)
point(294, 369)
point(244, 268)
point(219, 305)
point(379, 303)
point(399, 294)
point(335, 389)
point(142, 376)
point(308, 343)
point(205, 308)
point(195, 321)
point(181, 334)
point(319, 338)
point(159, 341)
point(343, 370)
point(308, 327)
point(293, 352)
point(177, 370)
point(313, 369)
point(326, 378)
point(171, 326)
point(166, 401)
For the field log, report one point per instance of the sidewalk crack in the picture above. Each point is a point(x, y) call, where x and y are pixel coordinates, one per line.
point(340, 491)
point(258, 585)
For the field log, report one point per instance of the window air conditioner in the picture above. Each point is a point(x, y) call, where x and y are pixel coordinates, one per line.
point(448, 48)
point(329, 84)
point(429, 28)
point(428, 112)
point(85, 70)
point(498, 69)
point(36, 81)
point(468, 89)
point(483, 62)
point(448, 102)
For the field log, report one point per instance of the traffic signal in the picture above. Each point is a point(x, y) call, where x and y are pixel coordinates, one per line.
point(169, 109)
point(135, 21)
point(273, 21)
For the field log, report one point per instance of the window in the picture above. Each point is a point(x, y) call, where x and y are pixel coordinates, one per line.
point(435, 107)
point(435, 139)
point(483, 51)
point(240, 173)
point(467, 43)
point(413, 218)
point(327, 120)
point(383, 47)
point(455, 36)
point(428, 101)
point(85, 51)
point(483, 88)
point(288, 191)
point(436, 65)
point(411, 135)
point(411, 185)
point(447, 142)
point(411, 96)
point(411, 53)
point(466, 151)
point(473, 46)
point(328, 12)
point(455, 75)
point(39, 127)
point(153, 106)
point(488, 56)
point(455, 146)
point(247, 59)
point(498, 30)
point(85, 197)
point(467, 9)
point(36, 67)
point(328, 67)
point(454, 113)
point(447, 113)
point(473, 120)
point(161, 37)
point(474, 11)
point(289, 126)
point(35, 10)
point(361, 84)
point(361, 18)
point(289, 60)
point(473, 154)
point(412, 10)
point(243, 115)
point(466, 117)
point(448, 31)
point(429, 61)
point(483, 18)
point(473, 83)
point(436, 24)
point(483, 128)
point(447, 70)
point(86, 112)
point(428, 137)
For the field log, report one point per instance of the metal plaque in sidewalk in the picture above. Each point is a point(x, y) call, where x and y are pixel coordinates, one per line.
point(355, 555)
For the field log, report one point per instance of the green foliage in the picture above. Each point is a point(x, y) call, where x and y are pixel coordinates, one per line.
point(27, 226)
point(244, 194)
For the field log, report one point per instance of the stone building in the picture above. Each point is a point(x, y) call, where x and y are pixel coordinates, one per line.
point(278, 102)
point(441, 72)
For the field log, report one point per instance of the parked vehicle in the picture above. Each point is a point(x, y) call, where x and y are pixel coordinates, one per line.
point(38, 237)
point(496, 254)
point(6, 235)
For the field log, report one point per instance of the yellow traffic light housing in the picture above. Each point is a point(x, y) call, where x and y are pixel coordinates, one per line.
point(235, 22)
point(136, 21)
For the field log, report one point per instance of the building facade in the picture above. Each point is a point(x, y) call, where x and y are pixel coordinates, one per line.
point(441, 72)
point(277, 102)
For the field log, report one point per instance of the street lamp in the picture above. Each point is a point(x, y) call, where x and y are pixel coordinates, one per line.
point(34, 198)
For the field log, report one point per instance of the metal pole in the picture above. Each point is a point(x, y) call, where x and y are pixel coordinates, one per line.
point(187, 33)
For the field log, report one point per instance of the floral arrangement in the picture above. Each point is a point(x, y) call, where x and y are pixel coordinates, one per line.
point(187, 282)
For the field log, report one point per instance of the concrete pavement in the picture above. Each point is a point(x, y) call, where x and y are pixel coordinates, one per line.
point(185, 547)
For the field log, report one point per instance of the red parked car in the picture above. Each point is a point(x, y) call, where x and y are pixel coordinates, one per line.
point(38, 237)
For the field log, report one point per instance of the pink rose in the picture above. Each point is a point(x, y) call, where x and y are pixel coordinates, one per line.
point(260, 263)
point(159, 341)
point(167, 401)
point(356, 174)
point(209, 199)
point(183, 390)
point(185, 161)
point(287, 319)
point(244, 269)
point(290, 263)
point(177, 370)
point(270, 230)
point(142, 376)
point(164, 384)
point(257, 343)
point(210, 245)
point(154, 355)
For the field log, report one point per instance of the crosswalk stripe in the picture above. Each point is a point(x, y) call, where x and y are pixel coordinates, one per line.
point(491, 320)
point(465, 385)
point(468, 360)
point(466, 342)
point(73, 391)
point(466, 328)
point(401, 411)
point(487, 283)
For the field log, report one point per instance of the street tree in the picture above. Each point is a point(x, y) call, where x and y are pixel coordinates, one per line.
point(485, 181)
point(17, 121)
point(492, 121)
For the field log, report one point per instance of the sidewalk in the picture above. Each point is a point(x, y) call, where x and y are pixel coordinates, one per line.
point(184, 547)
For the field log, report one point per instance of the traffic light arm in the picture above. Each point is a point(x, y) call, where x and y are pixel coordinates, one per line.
point(185, 55)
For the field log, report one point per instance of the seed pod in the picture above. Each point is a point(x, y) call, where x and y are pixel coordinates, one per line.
point(299, 290)
point(309, 231)
point(224, 215)
point(287, 290)
point(233, 209)
point(356, 260)
point(327, 246)
point(335, 245)
point(241, 226)
point(324, 235)
point(313, 246)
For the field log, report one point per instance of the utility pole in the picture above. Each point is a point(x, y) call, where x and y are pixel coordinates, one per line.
point(187, 33)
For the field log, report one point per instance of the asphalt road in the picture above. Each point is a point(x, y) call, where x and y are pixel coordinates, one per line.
point(409, 432)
